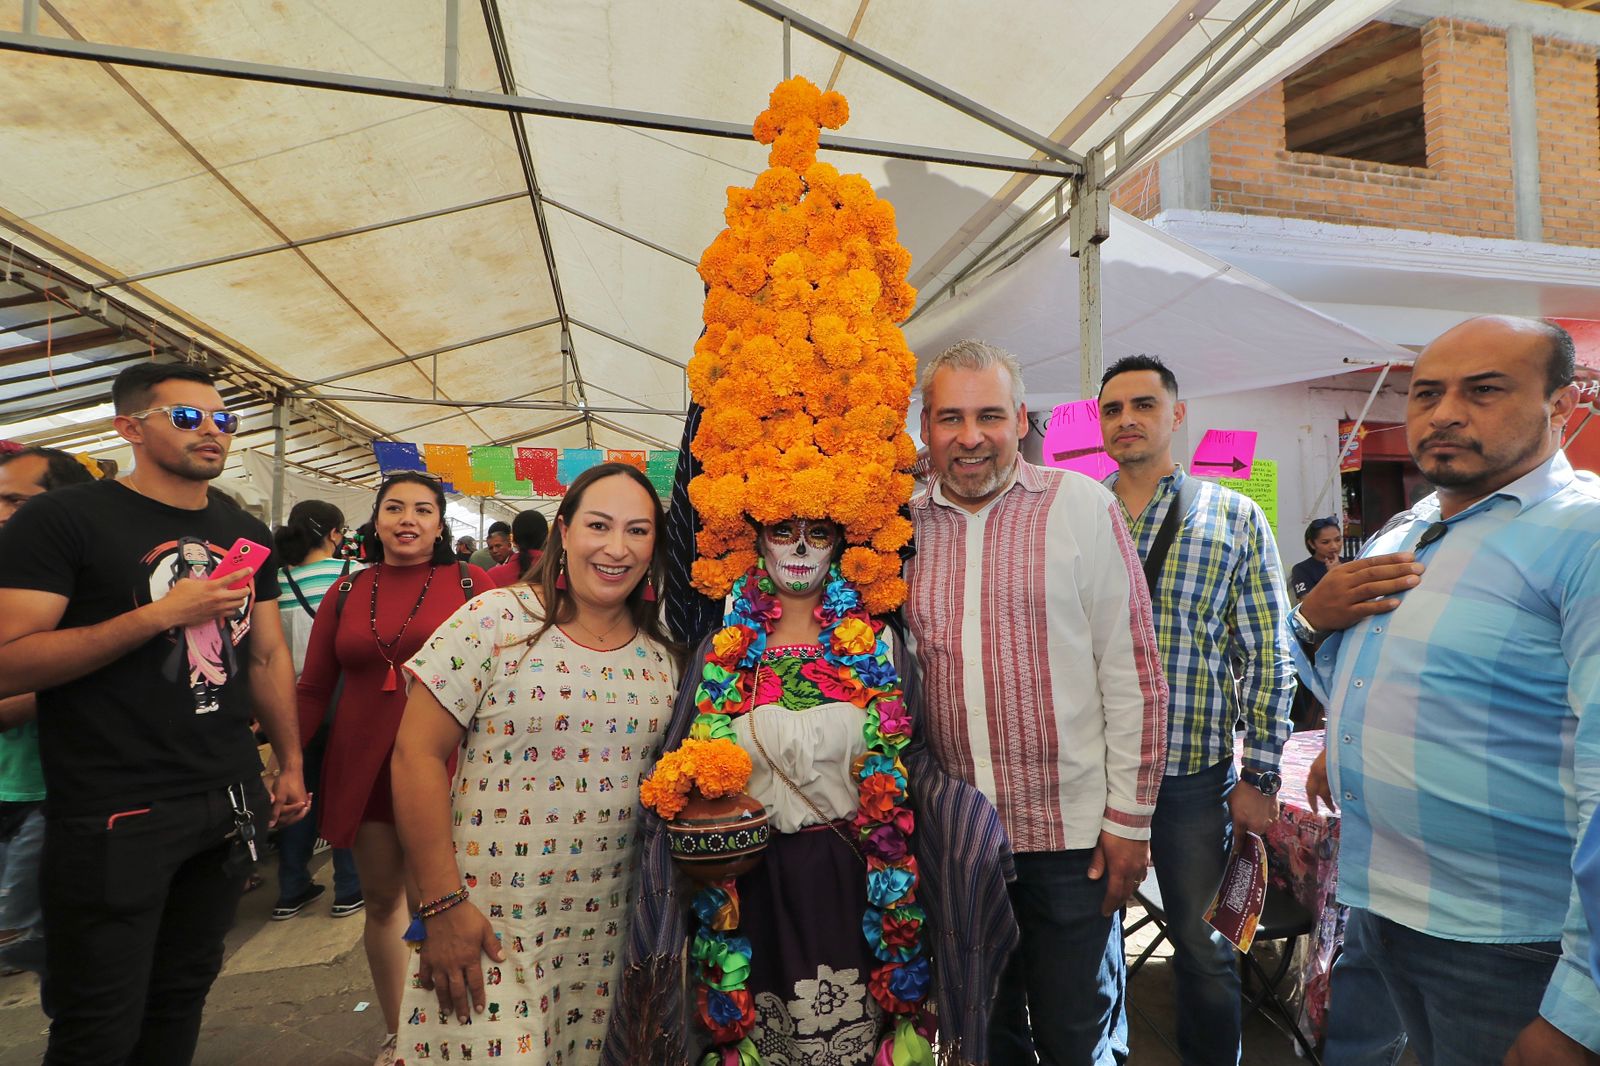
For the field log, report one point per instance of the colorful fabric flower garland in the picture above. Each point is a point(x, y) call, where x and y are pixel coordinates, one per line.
point(855, 667)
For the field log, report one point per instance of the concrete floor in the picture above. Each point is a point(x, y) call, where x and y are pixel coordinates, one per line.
point(289, 991)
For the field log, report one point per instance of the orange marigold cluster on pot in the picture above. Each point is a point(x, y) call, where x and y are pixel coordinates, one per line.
point(802, 370)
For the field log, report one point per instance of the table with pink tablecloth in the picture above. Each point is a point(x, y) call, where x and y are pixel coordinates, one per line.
point(1302, 857)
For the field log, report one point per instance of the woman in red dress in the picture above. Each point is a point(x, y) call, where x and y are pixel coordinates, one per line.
point(360, 638)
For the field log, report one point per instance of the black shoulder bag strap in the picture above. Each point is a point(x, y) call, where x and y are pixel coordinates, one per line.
point(467, 588)
point(294, 587)
point(1169, 530)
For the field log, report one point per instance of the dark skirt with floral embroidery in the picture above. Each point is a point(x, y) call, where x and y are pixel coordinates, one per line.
point(801, 908)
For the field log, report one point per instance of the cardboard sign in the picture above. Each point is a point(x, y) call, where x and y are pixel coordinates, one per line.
point(1236, 910)
point(1072, 440)
point(1262, 487)
point(1225, 453)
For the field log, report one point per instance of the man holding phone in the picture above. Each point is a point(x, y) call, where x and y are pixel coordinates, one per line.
point(147, 673)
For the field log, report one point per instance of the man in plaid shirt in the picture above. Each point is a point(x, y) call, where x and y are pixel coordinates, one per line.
point(1220, 610)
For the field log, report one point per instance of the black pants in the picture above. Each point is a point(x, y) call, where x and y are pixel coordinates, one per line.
point(135, 910)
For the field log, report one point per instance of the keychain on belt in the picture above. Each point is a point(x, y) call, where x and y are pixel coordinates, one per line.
point(244, 822)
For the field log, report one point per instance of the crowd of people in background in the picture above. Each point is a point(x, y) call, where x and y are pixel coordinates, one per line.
point(468, 728)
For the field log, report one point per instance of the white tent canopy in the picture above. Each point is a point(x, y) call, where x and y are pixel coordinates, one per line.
point(1220, 329)
point(473, 223)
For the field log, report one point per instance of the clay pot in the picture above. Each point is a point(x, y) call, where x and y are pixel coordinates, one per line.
point(715, 839)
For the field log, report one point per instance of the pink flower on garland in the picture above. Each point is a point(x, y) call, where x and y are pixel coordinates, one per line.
point(893, 718)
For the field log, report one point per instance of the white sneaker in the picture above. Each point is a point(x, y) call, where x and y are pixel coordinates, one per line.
point(386, 1053)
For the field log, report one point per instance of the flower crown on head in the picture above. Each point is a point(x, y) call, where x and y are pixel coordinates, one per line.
point(802, 369)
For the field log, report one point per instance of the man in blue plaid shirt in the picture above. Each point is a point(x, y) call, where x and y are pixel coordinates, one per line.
point(1459, 658)
point(1220, 614)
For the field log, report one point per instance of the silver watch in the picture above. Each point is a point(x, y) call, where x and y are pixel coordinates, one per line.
point(1304, 631)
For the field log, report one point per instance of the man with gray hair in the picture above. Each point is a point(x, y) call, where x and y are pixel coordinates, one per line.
point(1043, 688)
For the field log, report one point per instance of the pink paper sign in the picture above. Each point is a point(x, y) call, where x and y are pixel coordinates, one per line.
point(1072, 440)
point(1225, 453)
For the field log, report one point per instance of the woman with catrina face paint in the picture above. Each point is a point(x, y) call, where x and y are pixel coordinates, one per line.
point(845, 932)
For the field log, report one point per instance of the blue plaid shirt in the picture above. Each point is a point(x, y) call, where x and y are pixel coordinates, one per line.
point(1463, 733)
point(1220, 611)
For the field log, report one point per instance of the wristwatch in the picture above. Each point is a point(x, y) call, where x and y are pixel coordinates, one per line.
point(1304, 631)
point(1266, 782)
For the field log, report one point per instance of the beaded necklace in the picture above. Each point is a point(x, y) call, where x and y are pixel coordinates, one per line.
point(855, 667)
point(388, 648)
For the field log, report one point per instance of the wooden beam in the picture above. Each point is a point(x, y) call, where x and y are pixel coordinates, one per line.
point(31, 298)
point(75, 342)
point(1362, 147)
point(1402, 68)
point(1350, 120)
point(1355, 51)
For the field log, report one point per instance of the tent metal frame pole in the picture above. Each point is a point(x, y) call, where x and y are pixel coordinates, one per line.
point(1355, 435)
point(619, 231)
point(1090, 222)
point(304, 242)
point(400, 434)
point(155, 59)
point(279, 449)
point(304, 388)
point(626, 343)
point(906, 76)
point(507, 405)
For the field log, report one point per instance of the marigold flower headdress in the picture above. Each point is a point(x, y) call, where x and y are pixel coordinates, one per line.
point(802, 370)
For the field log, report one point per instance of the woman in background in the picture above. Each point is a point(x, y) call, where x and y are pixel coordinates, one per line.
point(360, 640)
point(1324, 541)
point(306, 546)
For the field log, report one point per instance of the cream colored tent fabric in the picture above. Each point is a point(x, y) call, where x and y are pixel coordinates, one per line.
point(118, 172)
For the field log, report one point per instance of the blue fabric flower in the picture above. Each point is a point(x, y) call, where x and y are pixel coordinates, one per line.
point(722, 1008)
point(910, 981)
point(707, 902)
point(875, 673)
point(889, 886)
point(882, 764)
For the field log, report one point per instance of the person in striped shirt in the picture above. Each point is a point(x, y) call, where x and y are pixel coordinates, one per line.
point(1220, 610)
point(1459, 659)
point(1043, 689)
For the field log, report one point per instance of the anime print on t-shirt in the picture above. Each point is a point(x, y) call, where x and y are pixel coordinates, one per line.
point(202, 653)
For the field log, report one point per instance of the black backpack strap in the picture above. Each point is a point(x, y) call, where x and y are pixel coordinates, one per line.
point(346, 583)
point(467, 589)
point(294, 587)
point(1168, 531)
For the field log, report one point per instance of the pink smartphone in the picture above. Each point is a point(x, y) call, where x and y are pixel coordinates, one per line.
point(245, 552)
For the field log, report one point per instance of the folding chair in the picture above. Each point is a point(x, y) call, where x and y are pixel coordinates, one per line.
point(1282, 918)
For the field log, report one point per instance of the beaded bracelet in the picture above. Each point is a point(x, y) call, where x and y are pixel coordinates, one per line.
point(417, 932)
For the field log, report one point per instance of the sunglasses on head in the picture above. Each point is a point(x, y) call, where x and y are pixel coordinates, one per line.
point(191, 418)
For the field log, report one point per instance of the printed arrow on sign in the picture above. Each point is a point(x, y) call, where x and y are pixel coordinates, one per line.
point(1077, 453)
point(1235, 463)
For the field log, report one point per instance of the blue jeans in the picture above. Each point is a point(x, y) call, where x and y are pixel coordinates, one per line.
point(1363, 1028)
point(19, 894)
point(1461, 1004)
point(296, 843)
point(1064, 993)
point(1190, 838)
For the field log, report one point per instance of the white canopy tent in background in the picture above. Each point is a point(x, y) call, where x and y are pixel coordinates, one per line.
point(1220, 329)
point(477, 223)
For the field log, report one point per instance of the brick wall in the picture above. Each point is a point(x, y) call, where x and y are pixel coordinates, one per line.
point(1466, 187)
point(1569, 142)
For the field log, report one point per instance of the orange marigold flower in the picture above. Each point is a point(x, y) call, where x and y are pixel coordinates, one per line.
point(859, 565)
point(721, 768)
point(746, 273)
point(778, 185)
point(894, 535)
point(833, 110)
point(884, 594)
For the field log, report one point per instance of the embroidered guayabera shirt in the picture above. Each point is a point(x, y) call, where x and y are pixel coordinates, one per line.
point(1042, 684)
point(1464, 728)
point(1220, 608)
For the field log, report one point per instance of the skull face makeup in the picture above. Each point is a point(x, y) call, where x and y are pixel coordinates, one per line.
point(798, 553)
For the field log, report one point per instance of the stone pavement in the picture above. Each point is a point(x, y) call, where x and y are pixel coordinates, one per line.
point(288, 993)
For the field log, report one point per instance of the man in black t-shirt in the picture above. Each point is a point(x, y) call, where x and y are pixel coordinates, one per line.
point(147, 675)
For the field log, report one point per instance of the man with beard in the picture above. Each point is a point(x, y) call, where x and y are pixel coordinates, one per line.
point(1459, 659)
point(154, 796)
point(1042, 687)
point(1220, 605)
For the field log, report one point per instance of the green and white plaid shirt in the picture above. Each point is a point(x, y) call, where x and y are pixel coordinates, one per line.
point(1221, 625)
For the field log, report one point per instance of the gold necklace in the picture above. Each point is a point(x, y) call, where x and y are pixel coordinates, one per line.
point(600, 638)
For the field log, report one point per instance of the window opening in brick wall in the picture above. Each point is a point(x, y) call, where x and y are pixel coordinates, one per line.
point(1361, 99)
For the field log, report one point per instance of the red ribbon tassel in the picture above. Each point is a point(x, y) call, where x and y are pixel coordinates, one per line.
point(390, 683)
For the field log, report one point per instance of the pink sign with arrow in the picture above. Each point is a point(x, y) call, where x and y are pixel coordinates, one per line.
point(1072, 440)
point(1225, 453)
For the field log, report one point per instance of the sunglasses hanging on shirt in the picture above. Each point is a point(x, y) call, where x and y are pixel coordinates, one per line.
point(1434, 532)
point(189, 418)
